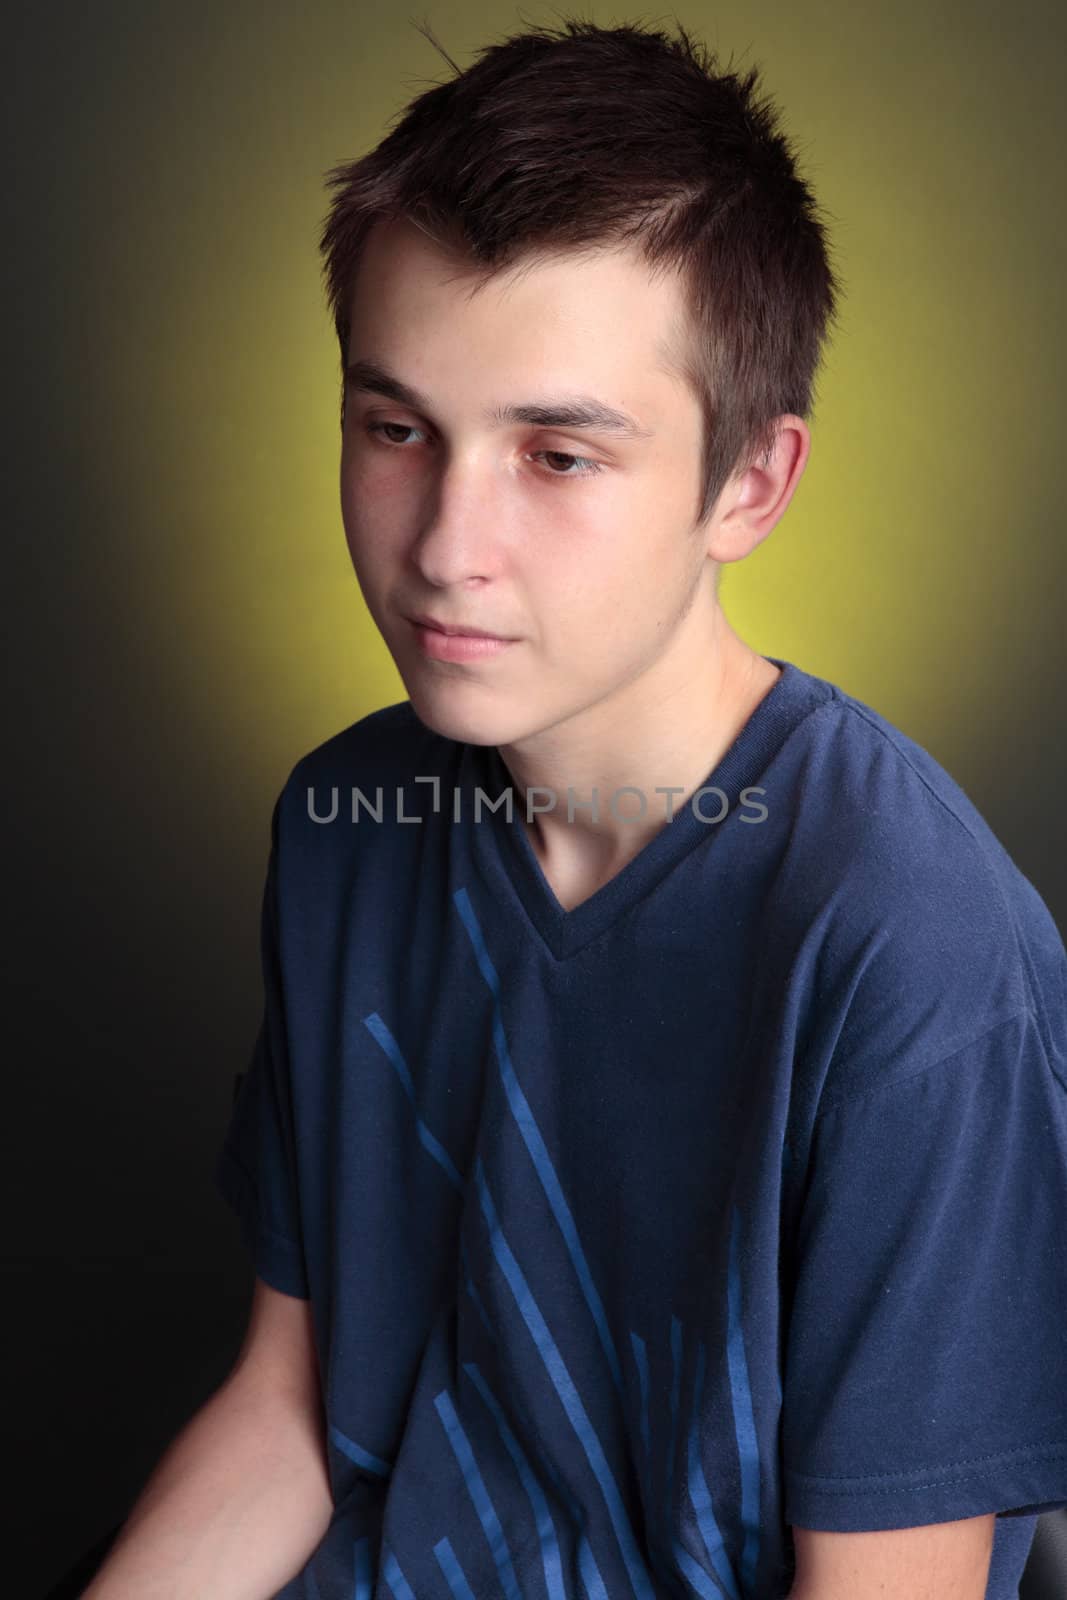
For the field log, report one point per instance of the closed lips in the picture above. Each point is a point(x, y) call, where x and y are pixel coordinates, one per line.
point(466, 633)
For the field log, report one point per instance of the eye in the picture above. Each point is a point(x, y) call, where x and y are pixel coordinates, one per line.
point(586, 468)
point(400, 427)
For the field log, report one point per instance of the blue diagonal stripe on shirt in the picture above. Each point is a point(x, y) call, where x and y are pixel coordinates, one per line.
point(395, 1578)
point(701, 1581)
point(698, 1579)
point(535, 1143)
point(479, 1494)
point(378, 1029)
point(590, 1572)
point(446, 1560)
point(676, 1383)
point(546, 1530)
point(700, 1494)
point(744, 1415)
point(364, 1569)
point(656, 1543)
point(355, 1452)
point(694, 1572)
point(568, 1394)
point(641, 1363)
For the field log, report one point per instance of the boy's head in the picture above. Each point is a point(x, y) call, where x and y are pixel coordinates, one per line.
point(594, 212)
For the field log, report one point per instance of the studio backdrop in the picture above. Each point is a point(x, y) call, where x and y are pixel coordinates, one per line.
point(184, 623)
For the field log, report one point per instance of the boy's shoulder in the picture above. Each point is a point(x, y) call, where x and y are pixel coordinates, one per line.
point(885, 810)
point(921, 927)
point(883, 779)
point(388, 747)
point(367, 773)
point(372, 748)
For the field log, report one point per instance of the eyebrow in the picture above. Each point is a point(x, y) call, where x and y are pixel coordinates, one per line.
point(569, 411)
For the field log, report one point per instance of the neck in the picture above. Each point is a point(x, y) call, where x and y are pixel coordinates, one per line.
point(666, 730)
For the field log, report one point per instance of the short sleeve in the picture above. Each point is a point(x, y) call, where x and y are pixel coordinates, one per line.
point(925, 1359)
point(256, 1170)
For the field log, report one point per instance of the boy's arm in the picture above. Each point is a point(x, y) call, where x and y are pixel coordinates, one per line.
point(941, 1561)
point(242, 1497)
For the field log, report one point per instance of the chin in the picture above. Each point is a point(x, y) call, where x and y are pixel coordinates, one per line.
point(465, 711)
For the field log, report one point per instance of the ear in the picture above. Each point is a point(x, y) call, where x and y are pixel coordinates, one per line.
point(755, 499)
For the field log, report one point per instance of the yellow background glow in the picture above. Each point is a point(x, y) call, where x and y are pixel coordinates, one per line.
point(921, 562)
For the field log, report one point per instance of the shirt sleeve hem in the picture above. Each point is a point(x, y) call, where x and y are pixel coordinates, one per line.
point(278, 1259)
point(1027, 1479)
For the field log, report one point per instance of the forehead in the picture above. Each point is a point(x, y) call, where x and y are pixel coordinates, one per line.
point(599, 316)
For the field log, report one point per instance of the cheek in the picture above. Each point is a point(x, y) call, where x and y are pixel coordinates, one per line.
point(354, 524)
point(368, 551)
point(380, 506)
point(350, 501)
point(597, 594)
point(368, 510)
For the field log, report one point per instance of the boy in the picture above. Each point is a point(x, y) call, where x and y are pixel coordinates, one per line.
point(654, 1155)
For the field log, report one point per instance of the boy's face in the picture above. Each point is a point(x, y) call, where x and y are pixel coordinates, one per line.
point(594, 576)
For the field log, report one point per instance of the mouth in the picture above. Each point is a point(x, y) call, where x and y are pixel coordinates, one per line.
point(450, 632)
point(456, 646)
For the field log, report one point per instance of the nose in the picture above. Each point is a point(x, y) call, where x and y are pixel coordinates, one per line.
point(460, 536)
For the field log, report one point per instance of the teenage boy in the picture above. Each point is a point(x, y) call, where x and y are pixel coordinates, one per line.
point(654, 1155)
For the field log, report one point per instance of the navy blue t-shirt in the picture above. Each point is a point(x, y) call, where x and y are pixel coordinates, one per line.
point(732, 1198)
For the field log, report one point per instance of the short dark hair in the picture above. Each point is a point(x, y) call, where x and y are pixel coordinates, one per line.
point(563, 140)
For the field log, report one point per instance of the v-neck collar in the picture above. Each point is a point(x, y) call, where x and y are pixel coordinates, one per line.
point(788, 700)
